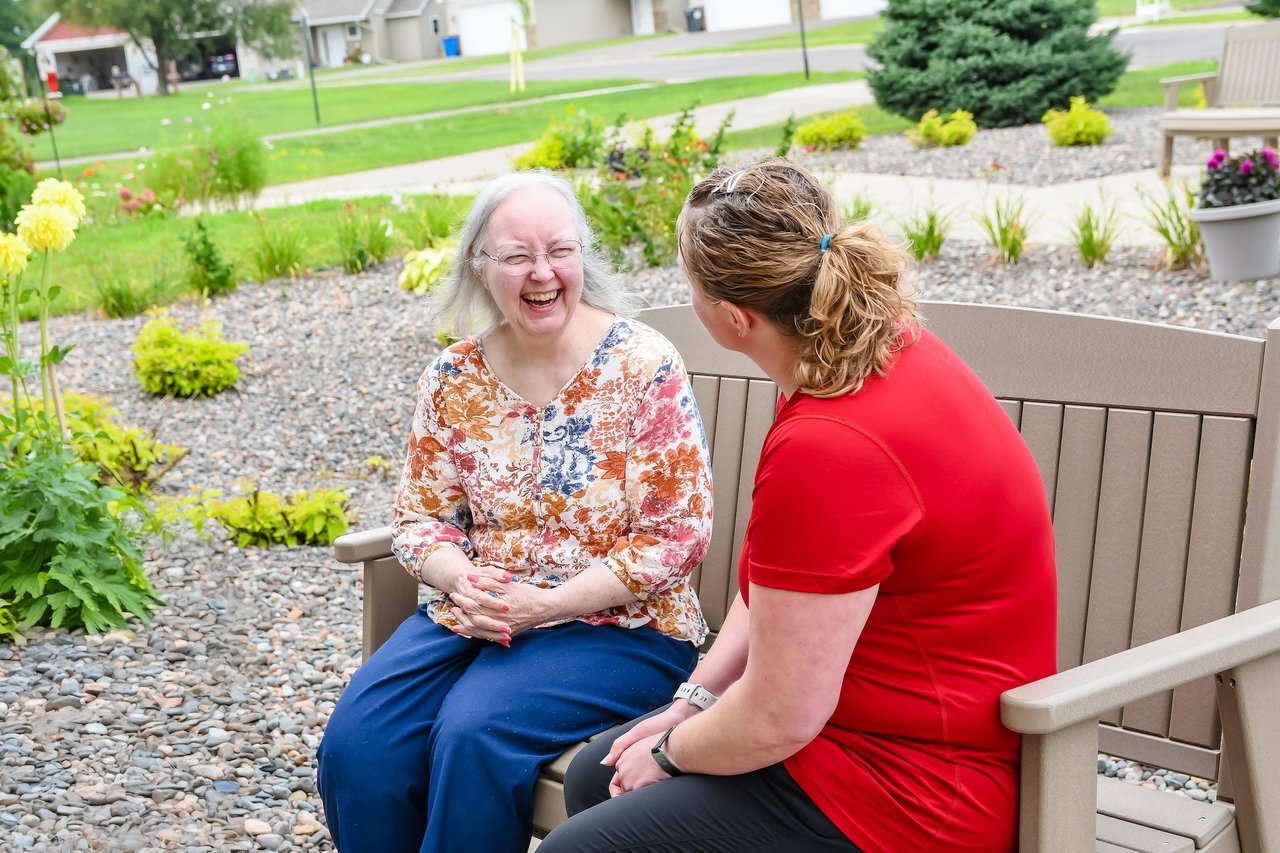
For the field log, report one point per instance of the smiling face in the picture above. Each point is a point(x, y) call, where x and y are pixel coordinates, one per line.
point(542, 300)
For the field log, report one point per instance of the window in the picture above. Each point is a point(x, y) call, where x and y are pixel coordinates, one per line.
point(353, 31)
point(435, 25)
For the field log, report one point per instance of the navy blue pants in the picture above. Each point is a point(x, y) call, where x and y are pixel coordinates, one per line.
point(482, 720)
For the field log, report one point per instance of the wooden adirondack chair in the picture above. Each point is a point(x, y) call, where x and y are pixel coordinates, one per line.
point(1158, 447)
point(1243, 95)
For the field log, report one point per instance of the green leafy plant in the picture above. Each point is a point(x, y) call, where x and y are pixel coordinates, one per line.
point(1093, 233)
point(424, 268)
point(573, 141)
point(207, 273)
point(36, 116)
point(925, 232)
point(70, 552)
point(265, 518)
point(119, 297)
point(363, 239)
point(858, 208)
point(842, 129)
point(1244, 179)
point(277, 252)
point(222, 163)
point(433, 219)
point(933, 130)
point(185, 362)
point(1006, 224)
point(788, 136)
point(1078, 125)
point(1170, 218)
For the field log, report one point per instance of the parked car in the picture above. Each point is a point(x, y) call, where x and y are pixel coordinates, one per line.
point(223, 64)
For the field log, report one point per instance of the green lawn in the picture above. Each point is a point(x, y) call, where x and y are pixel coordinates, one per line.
point(103, 126)
point(356, 150)
point(1213, 18)
point(1141, 88)
point(853, 32)
point(1124, 8)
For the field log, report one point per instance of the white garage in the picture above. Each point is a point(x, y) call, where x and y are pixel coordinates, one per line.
point(740, 14)
point(485, 28)
point(851, 8)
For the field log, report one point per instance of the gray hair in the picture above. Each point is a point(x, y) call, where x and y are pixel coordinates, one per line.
point(467, 302)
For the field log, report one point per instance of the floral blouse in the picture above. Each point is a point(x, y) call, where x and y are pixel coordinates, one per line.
point(614, 469)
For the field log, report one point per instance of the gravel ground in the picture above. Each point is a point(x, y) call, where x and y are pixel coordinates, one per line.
point(198, 731)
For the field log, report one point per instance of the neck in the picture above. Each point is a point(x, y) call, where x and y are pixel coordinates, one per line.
point(776, 354)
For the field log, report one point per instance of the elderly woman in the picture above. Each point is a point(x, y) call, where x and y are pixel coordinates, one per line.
point(555, 500)
point(898, 533)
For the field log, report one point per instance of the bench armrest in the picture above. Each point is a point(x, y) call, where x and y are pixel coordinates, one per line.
point(363, 545)
point(1088, 691)
point(1173, 84)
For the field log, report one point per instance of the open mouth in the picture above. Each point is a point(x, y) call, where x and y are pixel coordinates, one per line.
point(541, 300)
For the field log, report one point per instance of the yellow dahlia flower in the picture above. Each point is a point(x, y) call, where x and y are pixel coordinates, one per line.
point(14, 252)
point(44, 226)
point(62, 194)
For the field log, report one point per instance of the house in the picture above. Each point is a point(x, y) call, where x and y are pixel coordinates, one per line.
point(740, 14)
point(82, 57)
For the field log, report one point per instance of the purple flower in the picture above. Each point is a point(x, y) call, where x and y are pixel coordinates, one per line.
point(1246, 167)
point(1269, 154)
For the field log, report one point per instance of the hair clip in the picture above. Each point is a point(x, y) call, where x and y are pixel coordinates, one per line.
point(826, 240)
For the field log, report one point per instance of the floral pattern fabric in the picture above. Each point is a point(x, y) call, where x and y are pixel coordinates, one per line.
point(614, 469)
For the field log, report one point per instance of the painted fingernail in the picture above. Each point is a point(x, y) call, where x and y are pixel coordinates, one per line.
point(473, 578)
point(506, 607)
point(506, 577)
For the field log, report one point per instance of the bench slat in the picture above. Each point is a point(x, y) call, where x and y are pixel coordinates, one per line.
point(1200, 822)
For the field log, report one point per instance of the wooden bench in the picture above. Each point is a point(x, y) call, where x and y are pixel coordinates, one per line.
point(1242, 97)
point(1158, 450)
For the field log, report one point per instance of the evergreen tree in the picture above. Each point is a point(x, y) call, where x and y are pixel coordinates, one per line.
point(1265, 8)
point(1005, 61)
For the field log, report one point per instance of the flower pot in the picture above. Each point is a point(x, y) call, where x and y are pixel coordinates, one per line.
point(1242, 241)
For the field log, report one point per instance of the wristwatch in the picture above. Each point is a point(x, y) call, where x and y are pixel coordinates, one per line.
point(667, 765)
point(696, 695)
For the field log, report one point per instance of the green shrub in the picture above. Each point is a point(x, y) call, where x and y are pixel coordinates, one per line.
point(424, 268)
point(118, 297)
point(933, 130)
point(1171, 219)
point(573, 141)
point(1094, 232)
point(1078, 125)
point(224, 163)
point(858, 208)
point(363, 239)
point(265, 518)
point(69, 547)
point(185, 363)
point(277, 252)
point(433, 219)
point(1007, 62)
point(834, 130)
point(127, 457)
point(1006, 225)
point(926, 233)
point(207, 273)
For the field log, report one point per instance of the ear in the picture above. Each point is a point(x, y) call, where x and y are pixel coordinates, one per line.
point(743, 319)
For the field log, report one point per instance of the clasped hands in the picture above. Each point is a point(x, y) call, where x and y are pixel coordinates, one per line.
point(490, 605)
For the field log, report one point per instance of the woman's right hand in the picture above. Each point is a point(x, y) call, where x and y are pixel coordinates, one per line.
point(477, 603)
point(677, 713)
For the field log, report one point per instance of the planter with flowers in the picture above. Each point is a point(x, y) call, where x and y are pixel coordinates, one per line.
point(1239, 215)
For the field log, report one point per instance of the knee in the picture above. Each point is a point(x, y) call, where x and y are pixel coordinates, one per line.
point(356, 754)
point(586, 782)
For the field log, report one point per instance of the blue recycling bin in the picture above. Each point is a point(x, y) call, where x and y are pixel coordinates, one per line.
point(451, 46)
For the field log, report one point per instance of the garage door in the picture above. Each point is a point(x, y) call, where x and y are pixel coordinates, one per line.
point(851, 8)
point(740, 14)
point(485, 29)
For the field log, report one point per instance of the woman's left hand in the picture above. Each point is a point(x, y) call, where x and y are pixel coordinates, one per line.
point(636, 768)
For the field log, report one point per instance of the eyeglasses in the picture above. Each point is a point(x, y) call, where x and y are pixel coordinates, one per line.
point(562, 255)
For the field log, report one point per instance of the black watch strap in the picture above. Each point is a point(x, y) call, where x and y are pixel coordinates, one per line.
point(667, 765)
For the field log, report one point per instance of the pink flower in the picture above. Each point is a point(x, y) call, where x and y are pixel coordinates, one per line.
point(125, 195)
point(1246, 166)
point(1269, 154)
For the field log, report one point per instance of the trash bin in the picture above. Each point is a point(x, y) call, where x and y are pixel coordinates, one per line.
point(451, 46)
point(694, 19)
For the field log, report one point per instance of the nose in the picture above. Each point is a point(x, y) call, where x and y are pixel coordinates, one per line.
point(541, 265)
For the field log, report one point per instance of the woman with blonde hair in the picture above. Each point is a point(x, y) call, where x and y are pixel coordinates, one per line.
point(896, 574)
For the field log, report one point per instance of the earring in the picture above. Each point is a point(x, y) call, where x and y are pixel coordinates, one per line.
point(742, 333)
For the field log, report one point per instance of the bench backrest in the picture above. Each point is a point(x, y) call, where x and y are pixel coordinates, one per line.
point(1249, 74)
point(1144, 436)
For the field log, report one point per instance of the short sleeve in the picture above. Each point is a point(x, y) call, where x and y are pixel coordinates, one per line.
point(830, 504)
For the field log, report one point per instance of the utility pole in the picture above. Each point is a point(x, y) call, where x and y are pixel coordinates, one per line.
point(804, 44)
point(311, 66)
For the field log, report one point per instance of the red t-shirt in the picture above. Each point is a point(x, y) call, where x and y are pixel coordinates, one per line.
point(918, 482)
